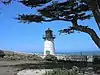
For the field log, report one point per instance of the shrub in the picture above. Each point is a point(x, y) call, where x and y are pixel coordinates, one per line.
point(2, 54)
point(62, 72)
point(50, 58)
point(35, 57)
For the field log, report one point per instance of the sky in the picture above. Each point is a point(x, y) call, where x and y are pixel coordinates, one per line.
point(15, 36)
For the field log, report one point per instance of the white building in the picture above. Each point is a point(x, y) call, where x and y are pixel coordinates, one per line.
point(49, 42)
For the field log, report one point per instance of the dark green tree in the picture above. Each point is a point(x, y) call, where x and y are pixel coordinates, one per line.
point(50, 58)
point(2, 54)
point(70, 10)
point(94, 6)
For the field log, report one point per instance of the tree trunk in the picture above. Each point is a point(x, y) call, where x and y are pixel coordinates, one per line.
point(90, 31)
point(94, 37)
point(96, 15)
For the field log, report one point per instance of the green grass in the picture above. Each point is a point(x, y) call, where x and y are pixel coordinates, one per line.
point(62, 72)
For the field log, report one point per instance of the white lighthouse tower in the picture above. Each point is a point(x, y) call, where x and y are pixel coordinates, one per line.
point(49, 42)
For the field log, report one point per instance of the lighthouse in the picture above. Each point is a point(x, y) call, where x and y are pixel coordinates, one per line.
point(49, 42)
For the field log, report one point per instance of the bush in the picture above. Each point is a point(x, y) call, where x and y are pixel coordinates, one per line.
point(33, 57)
point(50, 58)
point(36, 57)
point(62, 72)
point(2, 54)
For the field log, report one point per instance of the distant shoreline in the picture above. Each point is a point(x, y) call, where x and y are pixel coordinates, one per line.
point(89, 53)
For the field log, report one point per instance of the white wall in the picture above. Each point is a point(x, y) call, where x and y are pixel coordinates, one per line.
point(49, 46)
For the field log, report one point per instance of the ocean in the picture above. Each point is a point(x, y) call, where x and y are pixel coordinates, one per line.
point(74, 53)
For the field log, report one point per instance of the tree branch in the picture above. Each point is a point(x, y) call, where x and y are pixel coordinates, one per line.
point(85, 29)
point(34, 3)
point(36, 18)
point(56, 19)
point(6, 2)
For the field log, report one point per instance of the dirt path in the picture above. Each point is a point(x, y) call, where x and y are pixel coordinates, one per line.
point(6, 69)
point(31, 72)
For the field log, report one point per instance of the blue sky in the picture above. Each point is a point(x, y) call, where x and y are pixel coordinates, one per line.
point(16, 36)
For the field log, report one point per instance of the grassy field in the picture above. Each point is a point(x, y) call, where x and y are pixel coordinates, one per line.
point(12, 67)
point(13, 63)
